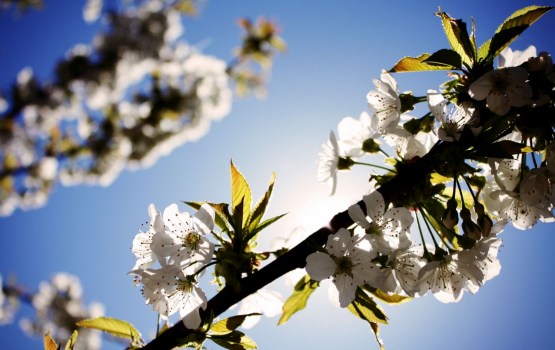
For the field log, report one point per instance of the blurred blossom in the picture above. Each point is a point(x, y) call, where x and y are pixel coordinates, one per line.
point(8, 305)
point(92, 10)
point(59, 306)
point(131, 97)
point(292, 239)
point(264, 301)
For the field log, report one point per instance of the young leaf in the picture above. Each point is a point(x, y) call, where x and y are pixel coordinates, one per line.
point(260, 207)
point(457, 34)
point(263, 225)
point(366, 308)
point(445, 57)
point(112, 326)
point(297, 301)
point(513, 26)
point(228, 325)
point(49, 343)
point(388, 298)
point(222, 213)
point(234, 340)
point(417, 64)
point(241, 197)
point(72, 340)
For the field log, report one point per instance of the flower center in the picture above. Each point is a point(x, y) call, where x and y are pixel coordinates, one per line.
point(374, 228)
point(191, 240)
point(184, 286)
point(500, 82)
point(344, 266)
point(450, 128)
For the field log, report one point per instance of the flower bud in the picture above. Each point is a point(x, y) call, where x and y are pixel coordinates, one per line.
point(470, 229)
point(485, 224)
point(450, 216)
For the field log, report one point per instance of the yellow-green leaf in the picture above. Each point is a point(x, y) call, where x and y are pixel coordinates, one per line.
point(297, 301)
point(222, 213)
point(241, 197)
point(445, 57)
point(234, 340)
point(260, 207)
point(72, 340)
point(513, 26)
point(49, 343)
point(112, 326)
point(228, 325)
point(457, 35)
point(439, 179)
point(388, 298)
point(417, 64)
point(366, 308)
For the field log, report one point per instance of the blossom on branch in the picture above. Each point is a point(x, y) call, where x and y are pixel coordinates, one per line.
point(169, 290)
point(386, 229)
point(385, 102)
point(348, 260)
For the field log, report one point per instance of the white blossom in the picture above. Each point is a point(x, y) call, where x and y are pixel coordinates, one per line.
point(142, 243)
point(348, 261)
point(400, 275)
point(328, 160)
point(510, 58)
point(385, 102)
point(354, 133)
point(387, 229)
point(502, 89)
point(184, 240)
point(168, 290)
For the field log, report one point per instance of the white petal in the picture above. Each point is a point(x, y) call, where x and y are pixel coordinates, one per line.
point(320, 266)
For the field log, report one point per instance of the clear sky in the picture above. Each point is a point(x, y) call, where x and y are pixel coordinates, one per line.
point(335, 49)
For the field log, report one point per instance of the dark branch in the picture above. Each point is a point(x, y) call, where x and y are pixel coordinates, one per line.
point(393, 191)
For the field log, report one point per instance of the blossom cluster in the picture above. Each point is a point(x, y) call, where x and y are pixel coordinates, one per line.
point(172, 255)
point(510, 108)
point(178, 242)
point(133, 95)
point(58, 306)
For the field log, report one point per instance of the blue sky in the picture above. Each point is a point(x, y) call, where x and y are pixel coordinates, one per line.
point(335, 49)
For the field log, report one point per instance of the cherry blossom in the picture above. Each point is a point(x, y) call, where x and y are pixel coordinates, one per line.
point(347, 260)
point(387, 229)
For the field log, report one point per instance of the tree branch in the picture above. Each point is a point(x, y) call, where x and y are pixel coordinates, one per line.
point(393, 191)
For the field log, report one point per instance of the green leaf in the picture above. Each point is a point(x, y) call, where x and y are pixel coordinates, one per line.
point(241, 197)
point(234, 340)
point(72, 340)
point(417, 64)
point(513, 26)
point(260, 207)
point(483, 51)
point(366, 308)
point(457, 35)
point(49, 343)
point(263, 225)
point(113, 326)
point(222, 218)
point(445, 57)
point(388, 298)
point(297, 301)
point(228, 325)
